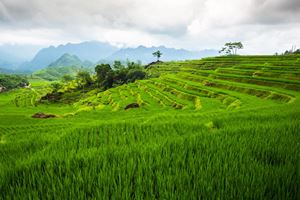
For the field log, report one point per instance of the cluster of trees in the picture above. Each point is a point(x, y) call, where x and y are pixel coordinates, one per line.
point(8, 82)
point(107, 76)
point(120, 74)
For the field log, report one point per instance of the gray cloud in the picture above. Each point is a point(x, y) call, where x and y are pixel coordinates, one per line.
point(143, 15)
point(275, 11)
point(129, 22)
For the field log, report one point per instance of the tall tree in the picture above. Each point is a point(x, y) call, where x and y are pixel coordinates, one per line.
point(157, 54)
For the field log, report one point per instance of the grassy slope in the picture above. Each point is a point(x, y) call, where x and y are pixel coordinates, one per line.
point(216, 128)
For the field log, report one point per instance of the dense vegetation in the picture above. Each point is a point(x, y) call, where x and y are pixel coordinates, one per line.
point(107, 78)
point(217, 128)
point(12, 81)
point(71, 89)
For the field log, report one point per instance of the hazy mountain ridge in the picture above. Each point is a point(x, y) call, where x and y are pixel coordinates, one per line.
point(92, 52)
point(12, 55)
point(144, 54)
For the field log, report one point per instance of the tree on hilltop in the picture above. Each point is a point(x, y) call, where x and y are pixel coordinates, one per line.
point(157, 54)
point(230, 48)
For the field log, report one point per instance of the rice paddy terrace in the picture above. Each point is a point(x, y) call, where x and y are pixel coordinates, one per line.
point(216, 128)
point(241, 82)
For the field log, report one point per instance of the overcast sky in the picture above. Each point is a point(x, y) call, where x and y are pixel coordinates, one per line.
point(264, 26)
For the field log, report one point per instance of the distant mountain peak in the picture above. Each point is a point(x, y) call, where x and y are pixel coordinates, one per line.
point(66, 55)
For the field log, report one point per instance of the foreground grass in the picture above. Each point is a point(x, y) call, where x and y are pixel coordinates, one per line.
point(250, 155)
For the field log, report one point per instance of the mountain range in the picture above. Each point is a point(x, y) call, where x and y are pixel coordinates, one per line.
point(144, 54)
point(92, 52)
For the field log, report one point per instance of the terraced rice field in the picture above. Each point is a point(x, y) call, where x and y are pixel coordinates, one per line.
point(227, 82)
point(216, 128)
